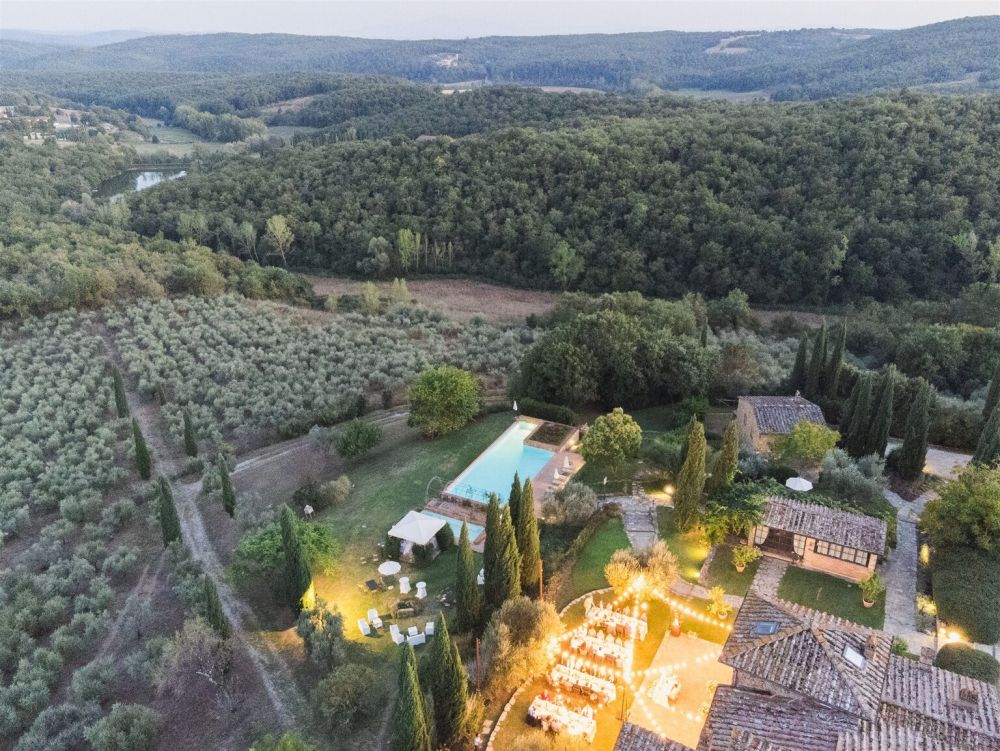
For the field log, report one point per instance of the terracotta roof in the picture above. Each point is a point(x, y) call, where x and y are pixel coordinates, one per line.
point(829, 660)
point(634, 738)
point(778, 414)
point(824, 523)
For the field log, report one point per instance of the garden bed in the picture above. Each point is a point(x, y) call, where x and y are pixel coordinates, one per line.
point(550, 435)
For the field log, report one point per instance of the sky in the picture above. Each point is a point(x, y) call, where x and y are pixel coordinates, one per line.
point(422, 19)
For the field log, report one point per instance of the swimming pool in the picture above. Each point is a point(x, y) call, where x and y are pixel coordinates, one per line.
point(456, 526)
point(493, 471)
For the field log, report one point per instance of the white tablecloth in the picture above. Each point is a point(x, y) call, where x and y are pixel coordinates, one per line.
point(603, 616)
point(562, 719)
point(563, 675)
point(601, 649)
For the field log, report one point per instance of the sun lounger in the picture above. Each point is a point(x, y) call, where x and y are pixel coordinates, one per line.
point(363, 625)
point(396, 636)
point(429, 628)
point(374, 619)
point(416, 640)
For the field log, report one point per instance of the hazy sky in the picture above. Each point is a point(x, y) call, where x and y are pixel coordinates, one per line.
point(416, 19)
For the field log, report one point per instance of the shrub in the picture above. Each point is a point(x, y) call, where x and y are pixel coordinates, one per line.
point(287, 742)
point(91, 682)
point(621, 570)
point(357, 438)
point(442, 400)
point(807, 443)
point(423, 554)
point(966, 660)
point(129, 727)
point(852, 479)
point(445, 538)
point(56, 728)
point(334, 493)
point(963, 579)
point(872, 587)
point(392, 547)
point(967, 511)
point(573, 504)
point(744, 555)
point(515, 642)
point(322, 632)
point(547, 411)
point(612, 439)
point(348, 696)
point(307, 494)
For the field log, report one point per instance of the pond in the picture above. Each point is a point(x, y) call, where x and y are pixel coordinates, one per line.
point(132, 181)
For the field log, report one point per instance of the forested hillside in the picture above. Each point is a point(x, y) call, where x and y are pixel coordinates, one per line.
point(810, 63)
point(884, 197)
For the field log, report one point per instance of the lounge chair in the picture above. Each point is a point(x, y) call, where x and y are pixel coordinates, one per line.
point(412, 631)
point(374, 619)
point(363, 625)
point(417, 640)
point(394, 634)
point(429, 628)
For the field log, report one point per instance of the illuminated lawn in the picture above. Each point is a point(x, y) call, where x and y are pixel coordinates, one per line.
point(588, 571)
point(722, 573)
point(691, 549)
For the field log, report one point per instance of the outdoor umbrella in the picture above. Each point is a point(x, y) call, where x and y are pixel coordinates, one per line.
point(798, 483)
point(389, 568)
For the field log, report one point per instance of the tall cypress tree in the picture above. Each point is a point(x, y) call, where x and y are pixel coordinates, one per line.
point(298, 577)
point(213, 607)
point(814, 375)
point(228, 494)
point(449, 687)
point(992, 394)
point(528, 544)
point(704, 335)
point(501, 560)
point(691, 480)
point(121, 401)
point(831, 378)
point(797, 378)
point(170, 523)
point(726, 462)
point(468, 598)
point(878, 432)
point(861, 418)
point(514, 500)
point(190, 441)
point(847, 413)
point(908, 460)
point(410, 730)
point(988, 448)
point(142, 458)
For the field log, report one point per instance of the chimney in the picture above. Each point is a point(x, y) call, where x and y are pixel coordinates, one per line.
point(871, 645)
point(968, 695)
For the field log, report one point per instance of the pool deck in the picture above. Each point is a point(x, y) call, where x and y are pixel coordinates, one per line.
point(463, 513)
point(554, 475)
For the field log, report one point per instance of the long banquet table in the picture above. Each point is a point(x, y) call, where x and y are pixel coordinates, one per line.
point(564, 675)
point(562, 719)
point(615, 620)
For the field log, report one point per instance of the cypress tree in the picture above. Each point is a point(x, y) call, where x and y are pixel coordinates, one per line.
point(849, 407)
point(410, 731)
point(501, 560)
point(857, 431)
point(121, 402)
point(514, 499)
point(908, 460)
point(298, 577)
point(831, 379)
point(878, 431)
point(449, 687)
point(704, 335)
point(988, 448)
point(468, 599)
point(213, 608)
point(170, 523)
point(797, 378)
point(190, 441)
point(142, 459)
point(814, 375)
point(228, 495)
point(528, 544)
point(992, 394)
point(691, 479)
point(726, 463)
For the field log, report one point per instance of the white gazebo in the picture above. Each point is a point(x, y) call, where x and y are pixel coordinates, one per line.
point(416, 528)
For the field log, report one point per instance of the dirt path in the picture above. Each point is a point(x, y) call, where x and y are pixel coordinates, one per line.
point(137, 598)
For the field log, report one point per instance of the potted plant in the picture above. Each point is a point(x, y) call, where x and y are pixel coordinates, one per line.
point(871, 588)
point(744, 555)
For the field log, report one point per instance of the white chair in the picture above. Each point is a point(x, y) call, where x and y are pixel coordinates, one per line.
point(429, 628)
point(363, 625)
point(412, 631)
point(416, 640)
point(374, 619)
point(404, 585)
point(481, 579)
point(421, 590)
point(397, 637)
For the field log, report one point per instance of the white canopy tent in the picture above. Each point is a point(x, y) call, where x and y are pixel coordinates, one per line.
point(417, 528)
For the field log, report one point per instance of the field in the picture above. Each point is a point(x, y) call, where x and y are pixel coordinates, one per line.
point(830, 595)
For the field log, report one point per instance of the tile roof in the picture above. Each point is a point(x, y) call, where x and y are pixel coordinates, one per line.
point(634, 738)
point(778, 414)
point(809, 653)
point(858, 531)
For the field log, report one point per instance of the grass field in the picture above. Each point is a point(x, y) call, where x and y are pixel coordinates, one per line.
point(691, 549)
point(722, 573)
point(588, 571)
point(830, 595)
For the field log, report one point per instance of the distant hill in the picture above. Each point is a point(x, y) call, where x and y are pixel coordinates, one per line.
point(87, 39)
point(803, 64)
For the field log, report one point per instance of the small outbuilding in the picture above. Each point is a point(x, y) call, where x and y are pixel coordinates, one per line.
point(416, 529)
point(760, 418)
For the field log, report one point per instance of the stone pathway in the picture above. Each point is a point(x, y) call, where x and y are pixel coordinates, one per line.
point(638, 518)
point(769, 575)
point(900, 573)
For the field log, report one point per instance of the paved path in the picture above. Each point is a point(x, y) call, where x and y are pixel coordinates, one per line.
point(769, 575)
point(942, 462)
point(638, 518)
point(900, 573)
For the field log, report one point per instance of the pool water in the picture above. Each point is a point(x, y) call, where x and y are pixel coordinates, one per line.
point(493, 471)
point(456, 526)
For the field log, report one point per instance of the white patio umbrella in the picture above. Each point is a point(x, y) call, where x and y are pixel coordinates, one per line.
point(798, 483)
point(515, 405)
point(389, 568)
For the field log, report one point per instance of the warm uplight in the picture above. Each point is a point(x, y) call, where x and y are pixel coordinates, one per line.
point(949, 636)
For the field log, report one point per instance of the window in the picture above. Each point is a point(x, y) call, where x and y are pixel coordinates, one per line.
point(765, 628)
point(844, 553)
point(854, 657)
point(799, 545)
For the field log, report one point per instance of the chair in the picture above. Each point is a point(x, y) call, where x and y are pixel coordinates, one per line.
point(417, 640)
point(412, 631)
point(429, 628)
point(404, 585)
point(363, 625)
point(421, 590)
point(374, 619)
point(397, 637)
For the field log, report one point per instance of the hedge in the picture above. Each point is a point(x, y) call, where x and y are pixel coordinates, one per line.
point(966, 584)
point(546, 411)
point(563, 564)
point(968, 661)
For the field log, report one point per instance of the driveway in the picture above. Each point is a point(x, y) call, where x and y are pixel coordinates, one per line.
point(942, 462)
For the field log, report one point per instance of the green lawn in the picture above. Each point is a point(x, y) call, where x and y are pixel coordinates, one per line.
point(588, 570)
point(830, 595)
point(691, 549)
point(722, 573)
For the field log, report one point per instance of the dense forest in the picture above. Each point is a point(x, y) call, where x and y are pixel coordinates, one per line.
point(884, 197)
point(803, 64)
